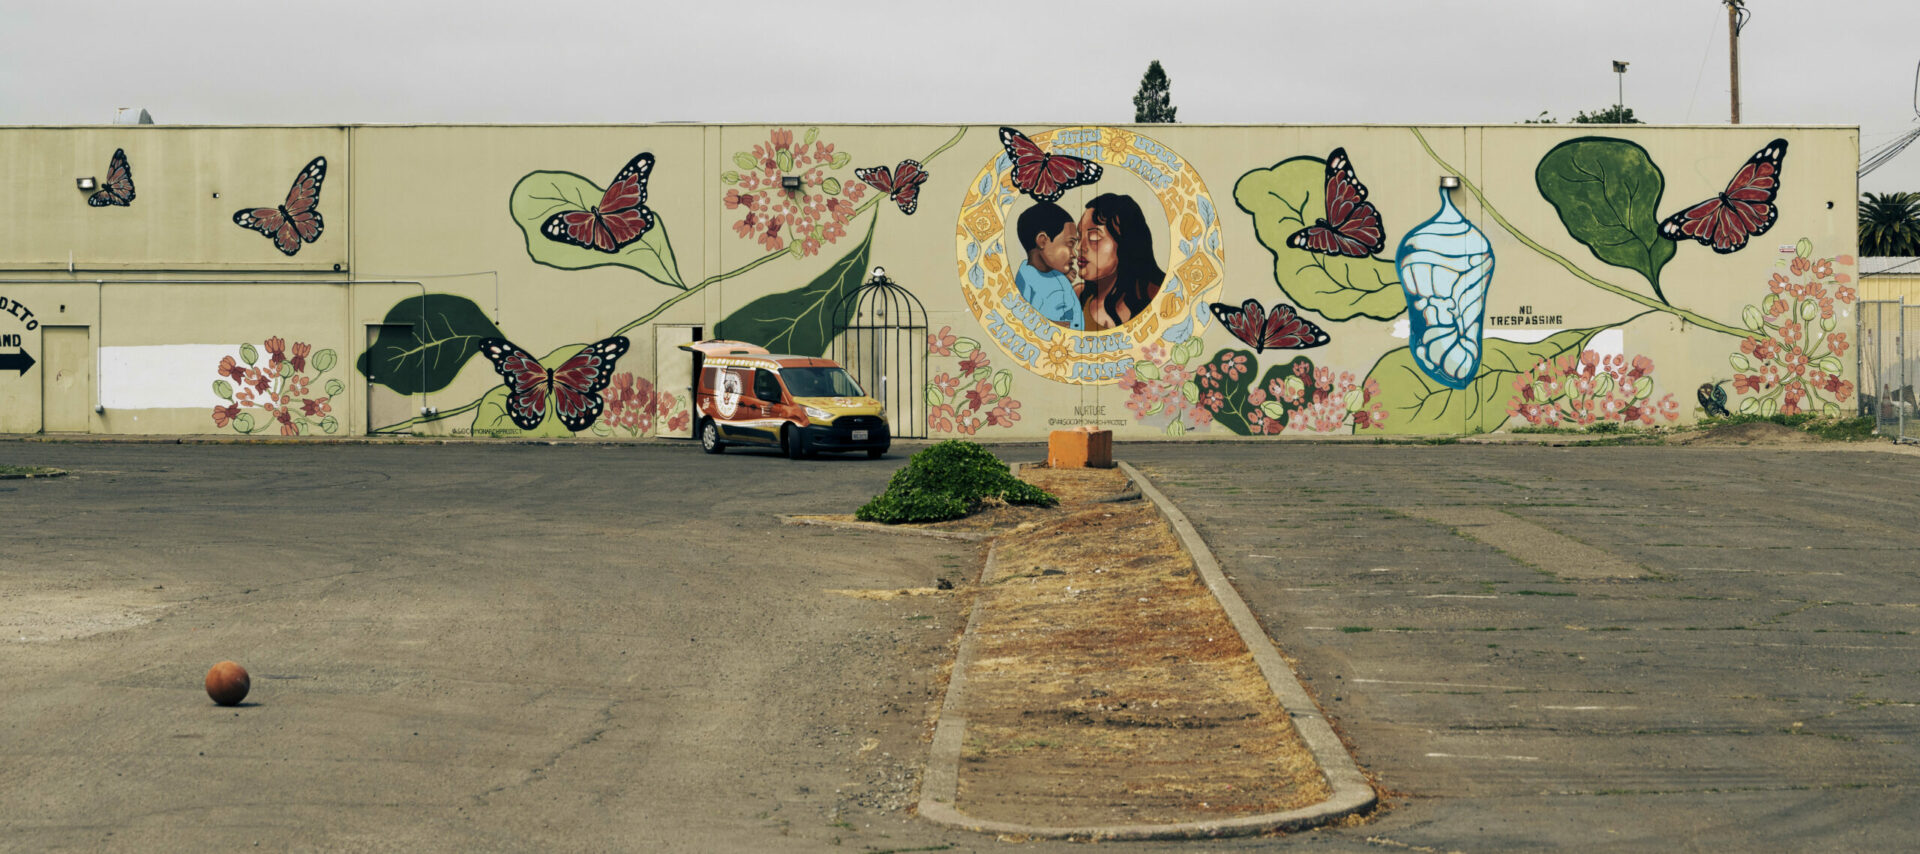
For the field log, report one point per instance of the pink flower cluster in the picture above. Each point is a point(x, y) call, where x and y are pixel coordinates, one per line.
point(1299, 396)
point(796, 220)
point(634, 406)
point(1589, 388)
point(1165, 393)
point(1790, 361)
point(959, 401)
point(281, 387)
point(1318, 401)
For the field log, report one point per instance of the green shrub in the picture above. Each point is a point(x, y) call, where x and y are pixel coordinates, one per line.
point(1834, 429)
point(948, 481)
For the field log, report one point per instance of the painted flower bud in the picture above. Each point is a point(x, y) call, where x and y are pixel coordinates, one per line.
point(1446, 268)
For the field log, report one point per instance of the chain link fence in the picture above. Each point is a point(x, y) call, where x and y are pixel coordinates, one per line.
point(1889, 365)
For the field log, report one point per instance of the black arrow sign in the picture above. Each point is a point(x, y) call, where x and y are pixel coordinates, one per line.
point(20, 361)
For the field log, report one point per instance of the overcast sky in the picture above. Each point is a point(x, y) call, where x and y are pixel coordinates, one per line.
point(1232, 61)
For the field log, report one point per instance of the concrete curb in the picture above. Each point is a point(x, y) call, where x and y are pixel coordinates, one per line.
point(1351, 792)
point(967, 536)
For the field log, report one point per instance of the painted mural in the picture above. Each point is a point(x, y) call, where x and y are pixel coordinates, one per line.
point(296, 220)
point(566, 229)
point(572, 387)
point(290, 394)
point(1090, 284)
point(118, 188)
point(971, 396)
point(1108, 295)
point(1091, 293)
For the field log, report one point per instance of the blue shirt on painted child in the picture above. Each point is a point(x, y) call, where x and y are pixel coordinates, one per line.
point(1051, 294)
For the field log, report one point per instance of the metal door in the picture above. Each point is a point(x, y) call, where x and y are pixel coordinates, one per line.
point(66, 391)
point(386, 407)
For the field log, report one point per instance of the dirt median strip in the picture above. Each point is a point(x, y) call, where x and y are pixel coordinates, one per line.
point(1103, 692)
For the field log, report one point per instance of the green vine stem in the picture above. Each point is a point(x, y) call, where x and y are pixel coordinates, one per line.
point(1557, 258)
point(662, 307)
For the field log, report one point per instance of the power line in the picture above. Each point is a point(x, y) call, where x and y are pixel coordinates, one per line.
point(1879, 157)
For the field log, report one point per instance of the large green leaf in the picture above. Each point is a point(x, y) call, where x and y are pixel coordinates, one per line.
point(801, 321)
point(1290, 197)
point(490, 418)
point(1608, 194)
point(1235, 414)
point(540, 195)
point(442, 332)
point(1415, 403)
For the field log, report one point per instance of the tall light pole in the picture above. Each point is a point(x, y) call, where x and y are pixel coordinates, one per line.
point(1737, 16)
point(1620, 99)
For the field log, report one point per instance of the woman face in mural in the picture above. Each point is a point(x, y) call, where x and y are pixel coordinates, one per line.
point(1098, 258)
point(1116, 261)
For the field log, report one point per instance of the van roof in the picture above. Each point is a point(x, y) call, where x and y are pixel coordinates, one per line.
point(722, 347)
point(770, 360)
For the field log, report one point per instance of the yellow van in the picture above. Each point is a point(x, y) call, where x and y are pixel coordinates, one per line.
point(798, 404)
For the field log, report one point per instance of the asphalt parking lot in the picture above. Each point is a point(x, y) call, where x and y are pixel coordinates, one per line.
point(506, 647)
point(1639, 648)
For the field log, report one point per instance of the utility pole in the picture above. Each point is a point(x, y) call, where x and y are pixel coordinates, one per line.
point(1737, 16)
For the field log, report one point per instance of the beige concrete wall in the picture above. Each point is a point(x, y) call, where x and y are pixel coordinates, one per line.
point(430, 210)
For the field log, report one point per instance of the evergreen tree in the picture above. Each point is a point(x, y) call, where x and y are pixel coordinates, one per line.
point(1154, 103)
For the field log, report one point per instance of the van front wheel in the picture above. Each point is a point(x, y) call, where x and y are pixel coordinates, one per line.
point(710, 437)
point(796, 443)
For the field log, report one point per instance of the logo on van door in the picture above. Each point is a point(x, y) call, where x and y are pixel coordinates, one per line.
point(729, 398)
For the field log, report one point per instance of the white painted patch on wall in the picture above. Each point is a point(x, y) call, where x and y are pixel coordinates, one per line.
point(164, 376)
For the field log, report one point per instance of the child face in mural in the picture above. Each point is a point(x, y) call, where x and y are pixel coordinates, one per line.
point(1058, 252)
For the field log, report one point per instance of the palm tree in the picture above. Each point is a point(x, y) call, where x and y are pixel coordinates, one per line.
point(1890, 224)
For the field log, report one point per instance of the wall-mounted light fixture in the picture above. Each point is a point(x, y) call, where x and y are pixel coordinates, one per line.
point(789, 182)
point(86, 183)
point(1449, 182)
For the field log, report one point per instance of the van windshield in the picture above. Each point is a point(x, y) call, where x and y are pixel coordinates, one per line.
point(820, 382)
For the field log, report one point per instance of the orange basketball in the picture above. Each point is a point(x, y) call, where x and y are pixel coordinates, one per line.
point(227, 683)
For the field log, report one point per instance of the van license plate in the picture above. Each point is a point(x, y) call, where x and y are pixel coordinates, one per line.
point(859, 435)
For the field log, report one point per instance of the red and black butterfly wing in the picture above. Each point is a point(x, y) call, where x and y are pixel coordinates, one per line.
point(1746, 210)
point(578, 381)
point(271, 222)
point(1285, 329)
point(877, 177)
point(907, 178)
point(119, 188)
point(528, 382)
point(303, 202)
point(1045, 176)
point(297, 220)
point(1247, 322)
point(1352, 227)
point(579, 228)
point(621, 217)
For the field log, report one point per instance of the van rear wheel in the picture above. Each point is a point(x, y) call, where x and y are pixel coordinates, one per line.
point(710, 437)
